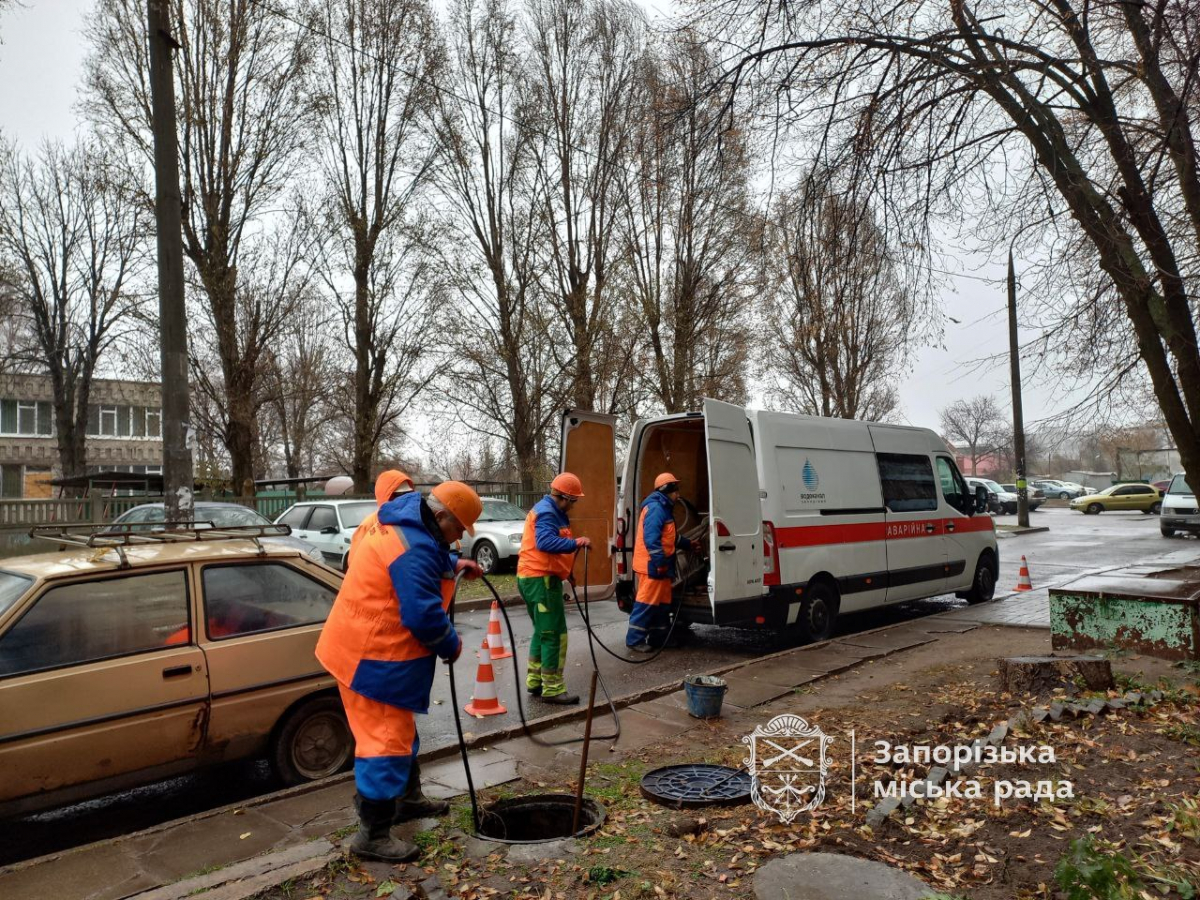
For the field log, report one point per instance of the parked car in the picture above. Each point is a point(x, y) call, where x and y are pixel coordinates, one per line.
point(148, 516)
point(125, 660)
point(1143, 497)
point(999, 500)
point(1035, 496)
point(329, 524)
point(1059, 489)
point(1180, 511)
point(497, 539)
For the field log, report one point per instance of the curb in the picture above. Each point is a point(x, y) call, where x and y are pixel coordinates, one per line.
point(1018, 531)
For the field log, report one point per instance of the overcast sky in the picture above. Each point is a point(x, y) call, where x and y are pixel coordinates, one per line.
point(40, 65)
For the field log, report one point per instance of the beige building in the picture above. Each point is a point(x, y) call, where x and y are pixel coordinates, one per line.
point(124, 431)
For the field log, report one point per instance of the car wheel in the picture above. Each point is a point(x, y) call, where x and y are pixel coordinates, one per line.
point(1156, 509)
point(983, 586)
point(1011, 509)
point(1064, 496)
point(313, 742)
point(1166, 532)
point(486, 556)
point(1094, 509)
point(818, 612)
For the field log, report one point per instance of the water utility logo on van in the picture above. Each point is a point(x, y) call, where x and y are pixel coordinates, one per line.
point(809, 476)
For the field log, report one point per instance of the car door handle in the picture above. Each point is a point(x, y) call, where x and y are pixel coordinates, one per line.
point(930, 527)
point(176, 671)
point(727, 548)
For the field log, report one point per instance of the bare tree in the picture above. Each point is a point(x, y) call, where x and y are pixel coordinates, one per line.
point(371, 88)
point(73, 233)
point(498, 368)
point(237, 68)
point(840, 321)
point(575, 109)
point(1076, 117)
point(687, 230)
point(977, 425)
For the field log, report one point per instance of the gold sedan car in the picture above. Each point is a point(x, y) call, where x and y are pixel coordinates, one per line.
point(126, 658)
point(1145, 498)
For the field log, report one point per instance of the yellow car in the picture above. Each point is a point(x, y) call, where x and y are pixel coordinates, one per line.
point(128, 657)
point(1142, 497)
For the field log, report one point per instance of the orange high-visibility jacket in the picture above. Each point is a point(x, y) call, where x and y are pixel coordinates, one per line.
point(385, 485)
point(547, 547)
point(655, 541)
point(389, 622)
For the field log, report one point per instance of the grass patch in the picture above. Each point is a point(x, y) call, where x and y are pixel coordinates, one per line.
point(1184, 732)
point(505, 585)
point(605, 841)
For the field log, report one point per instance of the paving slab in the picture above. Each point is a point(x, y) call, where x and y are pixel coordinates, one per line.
point(177, 852)
point(827, 660)
point(488, 769)
point(530, 753)
point(746, 692)
point(638, 730)
point(319, 851)
point(97, 873)
point(831, 876)
point(856, 650)
point(304, 808)
point(889, 641)
point(665, 711)
point(940, 625)
point(786, 671)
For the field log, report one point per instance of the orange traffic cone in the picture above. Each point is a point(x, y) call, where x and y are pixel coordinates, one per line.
point(495, 636)
point(485, 702)
point(1023, 582)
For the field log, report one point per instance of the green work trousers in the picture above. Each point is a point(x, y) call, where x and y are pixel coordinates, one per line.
point(543, 597)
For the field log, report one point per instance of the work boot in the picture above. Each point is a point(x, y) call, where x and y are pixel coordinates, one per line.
point(563, 699)
point(414, 804)
point(535, 691)
point(374, 839)
point(643, 647)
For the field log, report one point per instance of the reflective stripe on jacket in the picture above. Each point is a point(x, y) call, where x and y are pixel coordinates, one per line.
point(655, 541)
point(389, 622)
point(547, 547)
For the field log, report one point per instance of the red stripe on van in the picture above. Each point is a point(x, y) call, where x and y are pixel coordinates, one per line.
point(860, 532)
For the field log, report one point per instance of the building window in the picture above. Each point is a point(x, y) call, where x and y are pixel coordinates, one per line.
point(139, 421)
point(153, 423)
point(12, 479)
point(124, 422)
point(26, 418)
point(108, 421)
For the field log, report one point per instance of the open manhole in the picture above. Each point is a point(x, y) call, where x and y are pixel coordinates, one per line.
point(538, 818)
point(696, 784)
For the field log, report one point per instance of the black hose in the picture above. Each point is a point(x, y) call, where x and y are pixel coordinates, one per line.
point(462, 744)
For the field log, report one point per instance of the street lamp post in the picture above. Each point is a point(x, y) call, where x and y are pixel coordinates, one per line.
point(1014, 358)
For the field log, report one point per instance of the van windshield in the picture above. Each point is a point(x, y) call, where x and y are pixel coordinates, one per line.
point(1179, 485)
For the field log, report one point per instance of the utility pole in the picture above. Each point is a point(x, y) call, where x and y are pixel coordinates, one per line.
point(1014, 358)
point(177, 455)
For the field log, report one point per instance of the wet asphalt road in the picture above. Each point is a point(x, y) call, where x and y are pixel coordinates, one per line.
point(1075, 544)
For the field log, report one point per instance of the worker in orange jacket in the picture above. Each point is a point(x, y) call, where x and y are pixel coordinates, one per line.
point(654, 563)
point(547, 557)
point(390, 484)
point(388, 626)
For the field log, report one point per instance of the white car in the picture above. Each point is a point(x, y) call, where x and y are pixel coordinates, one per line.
point(498, 532)
point(1180, 511)
point(999, 500)
point(329, 524)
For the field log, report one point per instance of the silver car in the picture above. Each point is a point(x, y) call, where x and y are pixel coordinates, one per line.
point(497, 537)
point(223, 515)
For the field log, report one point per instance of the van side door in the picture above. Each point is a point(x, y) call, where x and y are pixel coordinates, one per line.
point(968, 533)
point(735, 535)
point(589, 450)
point(916, 545)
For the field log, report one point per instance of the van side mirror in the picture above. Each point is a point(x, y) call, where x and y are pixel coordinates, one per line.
point(981, 498)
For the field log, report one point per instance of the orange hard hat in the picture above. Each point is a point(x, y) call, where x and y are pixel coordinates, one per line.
point(461, 500)
point(664, 479)
point(391, 482)
point(566, 483)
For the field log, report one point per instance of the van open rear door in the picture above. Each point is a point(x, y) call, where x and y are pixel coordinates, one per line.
point(589, 450)
point(735, 538)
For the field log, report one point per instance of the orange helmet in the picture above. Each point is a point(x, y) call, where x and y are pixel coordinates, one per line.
point(566, 483)
point(393, 481)
point(461, 500)
point(664, 479)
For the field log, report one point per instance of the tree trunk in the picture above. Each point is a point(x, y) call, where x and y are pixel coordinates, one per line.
point(1045, 674)
point(363, 453)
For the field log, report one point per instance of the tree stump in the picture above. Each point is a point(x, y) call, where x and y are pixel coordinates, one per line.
point(1044, 674)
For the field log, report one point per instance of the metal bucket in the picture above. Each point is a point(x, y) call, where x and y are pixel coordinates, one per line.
point(704, 695)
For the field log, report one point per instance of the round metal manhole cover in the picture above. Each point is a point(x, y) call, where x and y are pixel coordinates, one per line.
point(696, 784)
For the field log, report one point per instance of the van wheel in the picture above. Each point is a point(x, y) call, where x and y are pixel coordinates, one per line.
point(818, 612)
point(313, 742)
point(983, 586)
point(1166, 532)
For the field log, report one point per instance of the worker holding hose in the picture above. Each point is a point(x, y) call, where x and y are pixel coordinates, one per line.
point(388, 626)
point(654, 564)
point(547, 557)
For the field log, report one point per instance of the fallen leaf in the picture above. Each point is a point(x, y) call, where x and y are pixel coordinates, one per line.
point(246, 835)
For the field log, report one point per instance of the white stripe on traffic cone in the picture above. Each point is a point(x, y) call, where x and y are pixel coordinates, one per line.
point(485, 702)
point(495, 637)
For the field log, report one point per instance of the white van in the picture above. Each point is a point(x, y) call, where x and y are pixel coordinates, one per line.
point(1179, 508)
point(808, 516)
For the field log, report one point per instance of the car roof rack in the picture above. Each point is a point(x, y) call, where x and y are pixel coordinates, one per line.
point(118, 537)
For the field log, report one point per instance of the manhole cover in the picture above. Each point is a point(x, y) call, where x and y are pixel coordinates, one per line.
point(696, 784)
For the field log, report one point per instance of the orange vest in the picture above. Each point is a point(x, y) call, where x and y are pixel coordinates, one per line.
point(654, 552)
point(365, 643)
point(535, 563)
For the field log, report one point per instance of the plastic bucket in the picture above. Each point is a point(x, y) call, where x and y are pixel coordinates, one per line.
point(704, 695)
